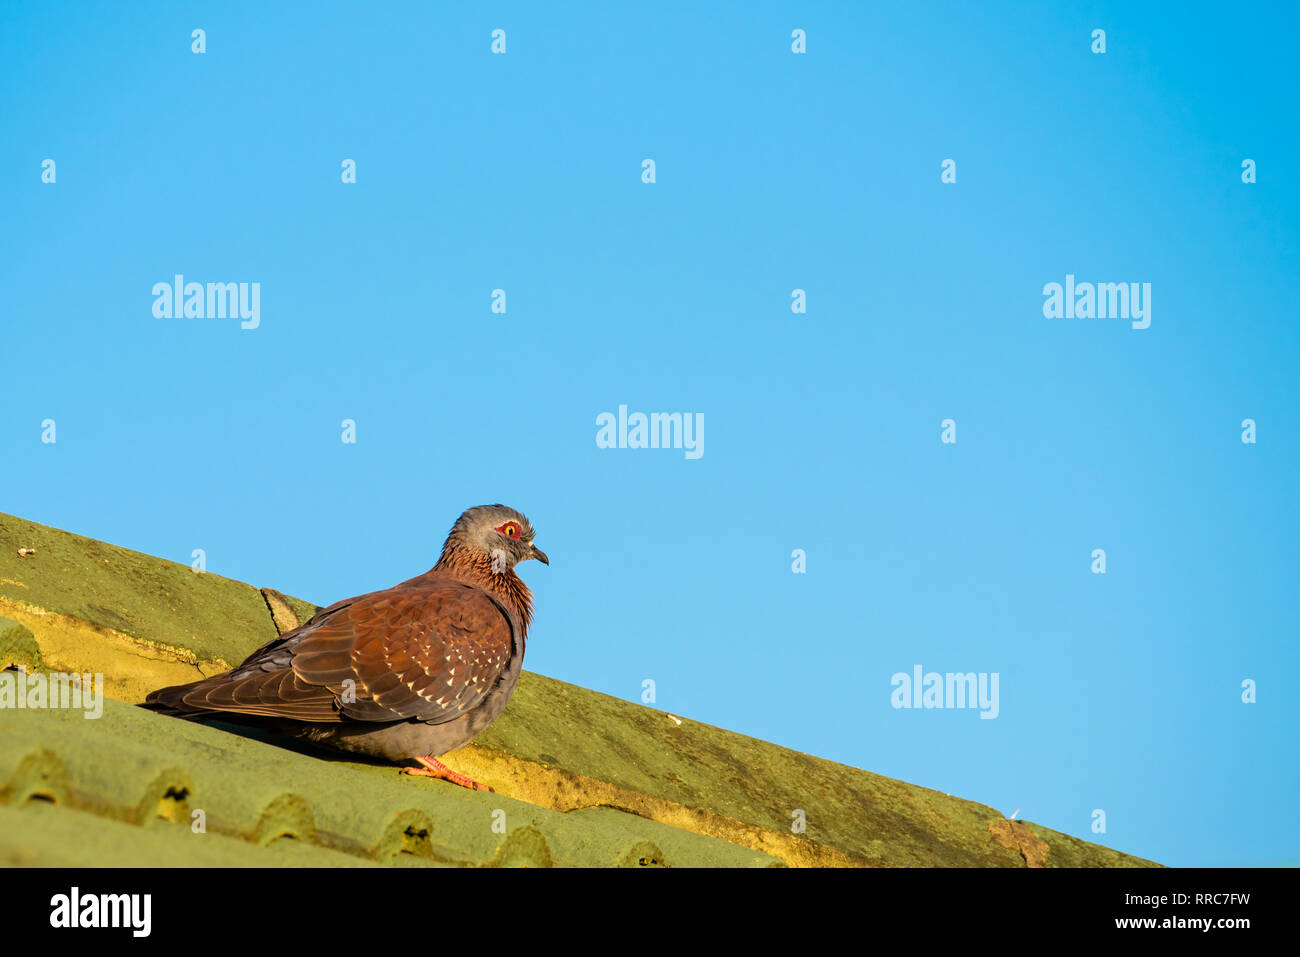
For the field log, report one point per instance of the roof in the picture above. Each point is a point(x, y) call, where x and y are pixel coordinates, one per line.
point(581, 778)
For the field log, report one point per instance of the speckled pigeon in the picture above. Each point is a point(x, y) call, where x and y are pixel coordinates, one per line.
point(410, 672)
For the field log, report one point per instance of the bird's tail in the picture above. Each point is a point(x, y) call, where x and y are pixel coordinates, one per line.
point(171, 701)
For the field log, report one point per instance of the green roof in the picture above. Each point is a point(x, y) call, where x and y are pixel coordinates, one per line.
point(582, 778)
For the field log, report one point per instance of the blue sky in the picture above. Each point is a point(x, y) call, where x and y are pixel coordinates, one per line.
point(775, 171)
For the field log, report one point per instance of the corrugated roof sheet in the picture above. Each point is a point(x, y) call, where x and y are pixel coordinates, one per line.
point(582, 778)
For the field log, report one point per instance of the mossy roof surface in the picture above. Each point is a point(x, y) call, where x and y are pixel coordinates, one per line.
point(584, 778)
point(140, 595)
point(132, 776)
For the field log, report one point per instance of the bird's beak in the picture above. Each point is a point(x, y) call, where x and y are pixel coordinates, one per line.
point(540, 555)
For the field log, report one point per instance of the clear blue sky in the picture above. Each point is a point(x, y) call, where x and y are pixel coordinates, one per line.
point(775, 171)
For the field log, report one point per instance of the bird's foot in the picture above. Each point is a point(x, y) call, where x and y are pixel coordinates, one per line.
point(433, 768)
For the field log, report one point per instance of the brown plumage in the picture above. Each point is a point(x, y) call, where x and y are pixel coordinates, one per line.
point(409, 672)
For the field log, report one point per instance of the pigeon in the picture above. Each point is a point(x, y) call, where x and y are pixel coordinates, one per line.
point(407, 673)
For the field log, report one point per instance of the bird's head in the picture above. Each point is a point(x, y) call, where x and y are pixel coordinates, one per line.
point(496, 533)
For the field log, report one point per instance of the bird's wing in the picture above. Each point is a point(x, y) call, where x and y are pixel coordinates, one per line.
point(429, 651)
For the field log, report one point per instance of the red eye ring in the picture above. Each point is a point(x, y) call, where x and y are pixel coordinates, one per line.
point(509, 529)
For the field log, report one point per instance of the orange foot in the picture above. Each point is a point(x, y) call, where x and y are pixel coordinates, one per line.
point(433, 768)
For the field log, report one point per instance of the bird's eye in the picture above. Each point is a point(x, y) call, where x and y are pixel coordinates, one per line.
point(512, 531)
